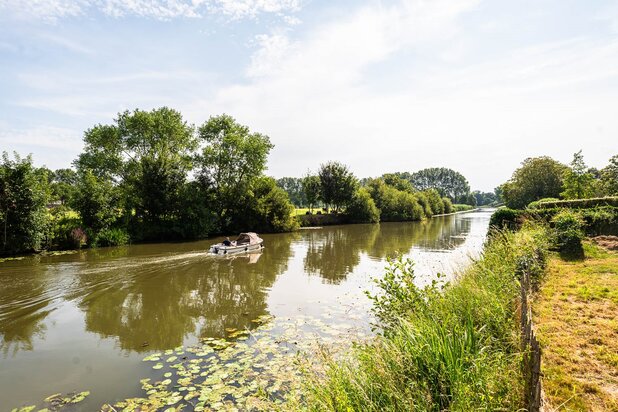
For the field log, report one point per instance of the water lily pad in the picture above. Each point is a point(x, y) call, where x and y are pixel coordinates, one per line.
point(158, 366)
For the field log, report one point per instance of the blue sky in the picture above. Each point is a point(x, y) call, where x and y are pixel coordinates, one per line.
point(380, 85)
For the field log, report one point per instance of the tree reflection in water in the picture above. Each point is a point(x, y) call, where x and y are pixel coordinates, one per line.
point(334, 252)
point(158, 304)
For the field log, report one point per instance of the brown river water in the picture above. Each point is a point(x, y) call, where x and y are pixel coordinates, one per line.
point(84, 321)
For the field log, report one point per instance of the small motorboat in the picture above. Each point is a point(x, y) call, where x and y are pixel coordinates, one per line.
point(246, 242)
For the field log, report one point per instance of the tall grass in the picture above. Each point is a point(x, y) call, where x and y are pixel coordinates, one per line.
point(453, 348)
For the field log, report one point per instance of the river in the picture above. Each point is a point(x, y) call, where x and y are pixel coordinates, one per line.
point(84, 321)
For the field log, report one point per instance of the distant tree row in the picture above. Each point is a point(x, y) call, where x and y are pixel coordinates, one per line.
point(147, 176)
point(447, 182)
point(388, 198)
point(545, 178)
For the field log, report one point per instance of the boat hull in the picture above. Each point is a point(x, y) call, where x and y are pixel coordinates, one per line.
point(227, 250)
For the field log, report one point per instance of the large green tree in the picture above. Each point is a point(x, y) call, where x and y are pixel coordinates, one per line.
point(148, 155)
point(446, 181)
point(337, 184)
point(24, 193)
point(97, 201)
point(231, 161)
point(609, 177)
point(311, 188)
point(537, 178)
point(579, 183)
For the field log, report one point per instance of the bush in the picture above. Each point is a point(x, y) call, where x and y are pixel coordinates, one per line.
point(579, 203)
point(110, 237)
point(458, 207)
point(394, 205)
point(539, 203)
point(362, 208)
point(569, 232)
point(506, 218)
point(448, 205)
point(435, 201)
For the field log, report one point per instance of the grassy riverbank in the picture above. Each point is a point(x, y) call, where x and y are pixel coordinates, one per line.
point(455, 349)
point(577, 326)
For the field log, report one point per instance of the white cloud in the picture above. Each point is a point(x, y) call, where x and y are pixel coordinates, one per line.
point(53, 10)
point(323, 96)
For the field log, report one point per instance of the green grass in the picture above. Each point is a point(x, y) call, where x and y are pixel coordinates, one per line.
point(575, 314)
point(454, 349)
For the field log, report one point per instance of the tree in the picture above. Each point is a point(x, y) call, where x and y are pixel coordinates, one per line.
point(231, 161)
point(398, 182)
point(311, 188)
point(447, 181)
point(578, 181)
point(337, 184)
point(537, 178)
point(484, 198)
point(362, 208)
point(294, 188)
point(147, 155)
point(609, 177)
point(24, 192)
point(63, 184)
point(96, 200)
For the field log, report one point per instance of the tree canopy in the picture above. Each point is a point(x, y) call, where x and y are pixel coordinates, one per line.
point(337, 184)
point(537, 178)
point(446, 181)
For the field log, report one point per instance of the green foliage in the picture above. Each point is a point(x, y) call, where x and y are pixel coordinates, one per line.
point(506, 218)
point(609, 177)
point(337, 184)
point(569, 231)
point(146, 156)
point(484, 198)
point(65, 229)
point(110, 237)
point(267, 209)
point(537, 178)
point(63, 184)
point(24, 192)
point(462, 207)
point(446, 181)
point(293, 186)
point(578, 182)
point(362, 208)
point(448, 205)
point(96, 201)
point(454, 348)
point(398, 182)
point(436, 203)
point(311, 187)
point(233, 159)
point(541, 202)
point(575, 203)
point(394, 205)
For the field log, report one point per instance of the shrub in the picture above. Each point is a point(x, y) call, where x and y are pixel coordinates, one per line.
point(569, 232)
point(506, 218)
point(394, 205)
point(435, 201)
point(448, 205)
point(362, 208)
point(539, 203)
point(579, 203)
point(458, 207)
point(110, 237)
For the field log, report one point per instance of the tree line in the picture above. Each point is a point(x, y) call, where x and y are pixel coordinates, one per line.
point(150, 175)
point(544, 179)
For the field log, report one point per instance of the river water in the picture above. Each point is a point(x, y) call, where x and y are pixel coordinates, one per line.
point(84, 321)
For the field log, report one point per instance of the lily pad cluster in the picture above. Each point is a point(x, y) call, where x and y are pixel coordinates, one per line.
point(55, 402)
point(245, 371)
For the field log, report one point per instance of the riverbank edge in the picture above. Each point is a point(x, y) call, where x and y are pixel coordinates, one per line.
point(414, 363)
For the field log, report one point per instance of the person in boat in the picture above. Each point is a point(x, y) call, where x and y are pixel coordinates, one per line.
point(227, 242)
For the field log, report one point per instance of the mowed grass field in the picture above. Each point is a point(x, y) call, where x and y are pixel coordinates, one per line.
point(577, 319)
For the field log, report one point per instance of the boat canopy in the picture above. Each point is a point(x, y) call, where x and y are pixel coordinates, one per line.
point(249, 238)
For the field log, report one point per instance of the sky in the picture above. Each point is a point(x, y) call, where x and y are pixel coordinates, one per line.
point(382, 86)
